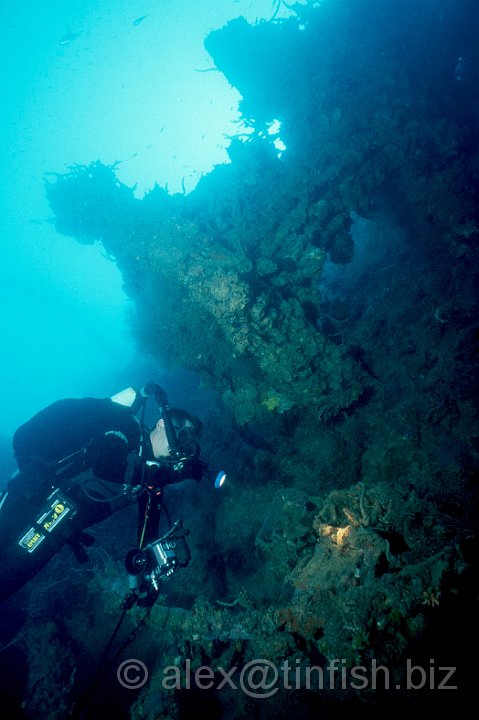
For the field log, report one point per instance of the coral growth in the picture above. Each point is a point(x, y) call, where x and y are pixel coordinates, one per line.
point(330, 298)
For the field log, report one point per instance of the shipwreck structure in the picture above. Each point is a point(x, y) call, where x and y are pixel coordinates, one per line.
point(329, 296)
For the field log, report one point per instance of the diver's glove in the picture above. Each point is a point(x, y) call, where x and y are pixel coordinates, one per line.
point(107, 456)
point(160, 474)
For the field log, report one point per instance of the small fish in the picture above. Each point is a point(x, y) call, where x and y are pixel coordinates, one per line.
point(139, 20)
point(66, 39)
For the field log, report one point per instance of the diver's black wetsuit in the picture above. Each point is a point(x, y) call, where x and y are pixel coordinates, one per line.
point(106, 436)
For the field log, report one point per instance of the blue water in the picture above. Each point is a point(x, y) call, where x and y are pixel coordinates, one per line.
point(82, 81)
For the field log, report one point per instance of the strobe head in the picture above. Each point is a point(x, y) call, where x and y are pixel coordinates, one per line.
point(160, 559)
point(136, 561)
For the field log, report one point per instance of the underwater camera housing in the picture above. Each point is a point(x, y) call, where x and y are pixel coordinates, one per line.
point(160, 559)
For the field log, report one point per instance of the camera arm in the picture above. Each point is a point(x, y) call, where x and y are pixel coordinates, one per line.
point(160, 396)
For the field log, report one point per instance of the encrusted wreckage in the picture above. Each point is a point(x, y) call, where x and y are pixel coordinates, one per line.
point(328, 297)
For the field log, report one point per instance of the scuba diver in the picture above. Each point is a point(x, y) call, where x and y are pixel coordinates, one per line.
point(80, 460)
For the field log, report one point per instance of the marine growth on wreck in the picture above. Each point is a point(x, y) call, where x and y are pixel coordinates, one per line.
point(327, 293)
